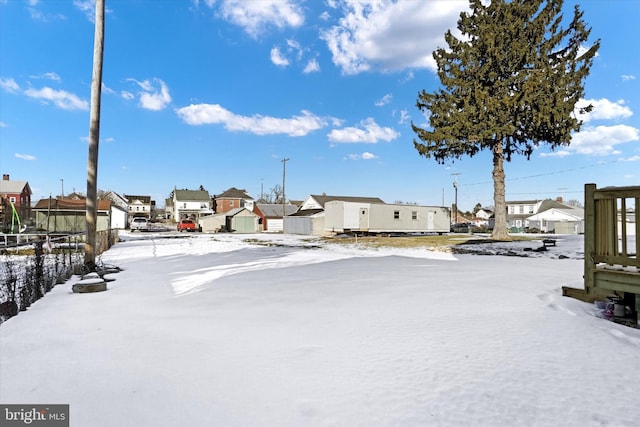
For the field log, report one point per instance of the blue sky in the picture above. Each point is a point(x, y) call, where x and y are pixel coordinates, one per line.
point(218, 92)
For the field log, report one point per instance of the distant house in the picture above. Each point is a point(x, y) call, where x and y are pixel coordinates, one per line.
point(627, 221)
point(119, 209)
point(519, 211)
point(188, 204)
point(271, 218)
point(139, 206)
point(69, 215)
point(14, 195)
point(239, 220)
point(545, 215)
point(484, 214)
point(231, 199)
point(309, 219)
point(318, 201)
point(558, 218)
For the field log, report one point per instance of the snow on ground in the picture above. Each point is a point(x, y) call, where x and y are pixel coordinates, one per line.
point(223, 330)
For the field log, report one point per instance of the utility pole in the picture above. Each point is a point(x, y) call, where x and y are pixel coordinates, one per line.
point(284, 168)
point(62, 181)
point(455, 186)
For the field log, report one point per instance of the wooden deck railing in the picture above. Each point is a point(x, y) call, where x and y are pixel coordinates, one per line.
point(611, 243)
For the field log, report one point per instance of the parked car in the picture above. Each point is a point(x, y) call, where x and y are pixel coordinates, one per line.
point(461, 227)
point(140, 224)
point(187, 225)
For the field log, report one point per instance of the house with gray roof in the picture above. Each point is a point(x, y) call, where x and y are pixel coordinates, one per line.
point(271, 215)
point(558, 218)
point(191, 204)
point(231, 199)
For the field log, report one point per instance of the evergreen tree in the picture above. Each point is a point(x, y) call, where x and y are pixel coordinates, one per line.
point(509, 84)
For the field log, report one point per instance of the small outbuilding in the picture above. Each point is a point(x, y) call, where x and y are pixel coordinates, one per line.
point(271, 218)
point(308, 222)
point(239, 220)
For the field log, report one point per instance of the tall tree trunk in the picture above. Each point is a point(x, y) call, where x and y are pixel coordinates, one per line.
point(500, 209)
point(94, 138)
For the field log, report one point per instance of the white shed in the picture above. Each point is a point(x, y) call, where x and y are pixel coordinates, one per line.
point(341, 216)
point(308, 222)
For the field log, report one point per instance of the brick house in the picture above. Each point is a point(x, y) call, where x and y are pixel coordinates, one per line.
point(18, 194)
point(233, 198)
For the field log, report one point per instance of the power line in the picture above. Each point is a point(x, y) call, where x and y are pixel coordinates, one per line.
point(544, 174)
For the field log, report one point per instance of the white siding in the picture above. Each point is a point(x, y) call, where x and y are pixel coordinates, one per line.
point(376, 217)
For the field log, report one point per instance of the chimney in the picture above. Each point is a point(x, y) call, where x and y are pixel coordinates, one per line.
point(559, 199)
point(5, 177)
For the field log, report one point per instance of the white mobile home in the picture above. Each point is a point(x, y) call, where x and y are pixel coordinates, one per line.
point(344, 217)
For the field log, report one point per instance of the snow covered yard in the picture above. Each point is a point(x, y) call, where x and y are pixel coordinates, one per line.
point(211, 330)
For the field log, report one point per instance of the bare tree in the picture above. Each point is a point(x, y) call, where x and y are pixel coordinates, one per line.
point(94, 137)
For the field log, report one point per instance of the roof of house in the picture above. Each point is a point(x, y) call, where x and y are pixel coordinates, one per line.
point(234, 193)
point(192, 195)
point(143, 199)
point(13, 187)
point(522, 202)
point(275, 210)
point(322, 199)
point(236, 211)
point(307, 212)
point(70, 204)
point(553, 204)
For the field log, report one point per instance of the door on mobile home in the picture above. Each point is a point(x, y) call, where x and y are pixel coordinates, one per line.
point(430, 224)
point(364, 219)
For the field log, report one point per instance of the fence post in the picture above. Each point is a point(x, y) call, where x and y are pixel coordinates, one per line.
point(589, 236)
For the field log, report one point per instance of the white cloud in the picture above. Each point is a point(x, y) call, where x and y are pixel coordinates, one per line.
point(154, 94)
point(48, 76)
point(389, 35)
point(364, 156)
point(312, 66)
point(601, 140)
point(38, 15)
point(3, 125)
point(256, 16)
point(9, 85)
point(277, 58)
point(60, 98)
point(369, 132)
point(559, 153)
point(127, 95)
point(384, 100)
point(106, 89)
point(603, 109)
point(25, 156)
point(404, 117)
point(202, 114)
point(631, 159)
point(628, 77)
point(88, 8)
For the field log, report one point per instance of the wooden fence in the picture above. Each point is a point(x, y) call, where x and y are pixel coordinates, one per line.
point(611, 245)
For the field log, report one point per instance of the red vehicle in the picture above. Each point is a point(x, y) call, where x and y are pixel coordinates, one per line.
point(187, 225)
